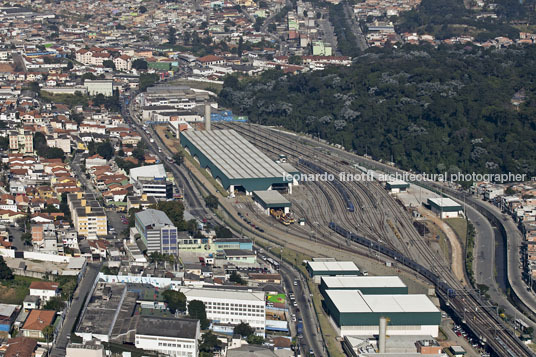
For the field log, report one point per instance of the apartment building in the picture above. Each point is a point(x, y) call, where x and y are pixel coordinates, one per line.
point(89, 218)
point(21, 141)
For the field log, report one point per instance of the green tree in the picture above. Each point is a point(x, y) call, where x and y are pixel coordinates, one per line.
point(209, 342)
point(147, 80)
point(175, 211)
point(172, 39)
point(4, 142)
point(139, 64)
point(132, 216)
point(240, 48)
point(243, 329)
point(223, 232)
point(5, 271)
point(295, 60)
point(139, 152)
point(55, 303)
point(109, 64)
point(179, 158)
point(196, 310)
point(211, 201)
point(255, 340)
point(53, 153)
point(48, 333)
point(26, 238)
point(142, 9)
point(237, 278)
point(106, 150)
point(175, 300)
point(88, 75)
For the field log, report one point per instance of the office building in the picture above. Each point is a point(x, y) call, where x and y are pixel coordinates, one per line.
point(231, 306)
point(157, 231)
point(169, 336)
point(152, 181)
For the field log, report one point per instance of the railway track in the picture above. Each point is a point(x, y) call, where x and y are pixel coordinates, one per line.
point(467, 304)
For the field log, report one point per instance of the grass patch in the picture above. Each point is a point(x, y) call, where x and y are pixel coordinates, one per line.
point(443, 242)
point(459, 225)
point(329, 334)
point(466, 234)
point(68, 99)
point(14, 291)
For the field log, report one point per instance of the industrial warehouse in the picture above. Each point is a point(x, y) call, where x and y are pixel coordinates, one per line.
point(368, 285)
point(235, 162)
point(357, 314)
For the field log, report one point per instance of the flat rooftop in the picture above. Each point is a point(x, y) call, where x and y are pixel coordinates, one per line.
point(154, 218)
point(334, 282)
point(444, 202)
point(271, 198)
point(224, 294)
point(157, 170)
point(105, 304)
point(233, 155)
point(353, 301)
point(333, 266)
point(167, 327)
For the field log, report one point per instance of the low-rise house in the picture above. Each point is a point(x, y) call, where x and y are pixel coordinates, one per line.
point(44, 289)
point(36, 321)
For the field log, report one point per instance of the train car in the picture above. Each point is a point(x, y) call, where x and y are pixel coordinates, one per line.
point(434, 278)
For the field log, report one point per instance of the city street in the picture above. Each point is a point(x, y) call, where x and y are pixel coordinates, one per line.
point(311, 337)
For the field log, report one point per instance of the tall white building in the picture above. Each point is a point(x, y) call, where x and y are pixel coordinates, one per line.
point(229, 306)
point(170, 336)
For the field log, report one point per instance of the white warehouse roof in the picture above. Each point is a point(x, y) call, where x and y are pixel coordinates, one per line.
point(353, 301)
point(149, 171)
point(333, 265)
point(334, 282)
point(444, 202)
point(235, 156)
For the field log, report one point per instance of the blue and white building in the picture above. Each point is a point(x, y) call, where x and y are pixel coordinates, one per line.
point(157, 231)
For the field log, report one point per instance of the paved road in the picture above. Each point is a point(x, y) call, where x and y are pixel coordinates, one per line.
point(514, 269)
point(17, 241)
point(311, 337)
point(76, 166)
point(361, 41)
point(77, 303)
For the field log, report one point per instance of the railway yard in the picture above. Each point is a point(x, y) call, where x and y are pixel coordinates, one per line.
point(361, 217)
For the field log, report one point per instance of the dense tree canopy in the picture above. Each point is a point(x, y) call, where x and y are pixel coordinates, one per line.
point(461, 108)
point(175, 300)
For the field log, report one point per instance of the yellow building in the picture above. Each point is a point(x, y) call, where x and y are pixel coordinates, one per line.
point(89, 218)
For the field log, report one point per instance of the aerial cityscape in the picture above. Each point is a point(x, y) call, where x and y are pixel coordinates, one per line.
point(283, 178)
